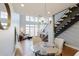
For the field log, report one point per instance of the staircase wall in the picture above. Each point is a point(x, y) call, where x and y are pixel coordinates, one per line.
point(71, 35)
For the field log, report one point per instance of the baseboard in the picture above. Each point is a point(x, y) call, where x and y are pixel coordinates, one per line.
point(72, 46)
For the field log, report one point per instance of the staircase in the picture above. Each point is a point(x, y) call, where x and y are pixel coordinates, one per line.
point(67, 20)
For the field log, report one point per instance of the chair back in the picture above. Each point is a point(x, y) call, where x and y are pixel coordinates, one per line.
point(59, 44)
point(36, 40)
point(36, 43)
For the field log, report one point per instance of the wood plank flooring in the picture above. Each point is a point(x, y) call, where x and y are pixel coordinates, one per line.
point(68, 51)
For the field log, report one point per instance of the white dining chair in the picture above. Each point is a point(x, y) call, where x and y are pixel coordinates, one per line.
point(36, 40)
point(59, 44)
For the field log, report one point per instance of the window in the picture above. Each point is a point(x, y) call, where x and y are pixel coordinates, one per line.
point(27, 28)
point(32, 31)
point(36, 30)
point(31, 18)
point(27, 25)
point(32, 26)
point(36, 19)
point(27, 18)
point(27, 31)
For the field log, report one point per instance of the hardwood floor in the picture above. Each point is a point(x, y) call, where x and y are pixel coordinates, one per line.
point(68, 51)
point(27, 50)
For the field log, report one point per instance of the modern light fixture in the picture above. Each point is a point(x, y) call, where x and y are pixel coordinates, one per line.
point(22, 5)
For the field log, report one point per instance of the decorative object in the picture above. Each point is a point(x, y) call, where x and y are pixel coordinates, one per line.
point(8, 20)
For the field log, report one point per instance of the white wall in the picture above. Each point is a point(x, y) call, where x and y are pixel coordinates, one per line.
point(50, 32)
point(7, 37)
point(7, 41)
point(71, 35)
point(23, 22)
point(16, 21)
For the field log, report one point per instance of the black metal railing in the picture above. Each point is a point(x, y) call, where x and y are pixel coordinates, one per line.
point(70, 17)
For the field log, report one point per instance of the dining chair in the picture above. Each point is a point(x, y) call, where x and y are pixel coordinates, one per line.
point(59, 42)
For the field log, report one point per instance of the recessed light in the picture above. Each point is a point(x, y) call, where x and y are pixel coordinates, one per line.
point(22, 5)
point(48, 12)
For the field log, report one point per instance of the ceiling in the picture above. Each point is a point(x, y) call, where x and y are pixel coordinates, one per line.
point(38, 9)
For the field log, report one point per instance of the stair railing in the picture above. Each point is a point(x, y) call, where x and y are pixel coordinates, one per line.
point(55, 20)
